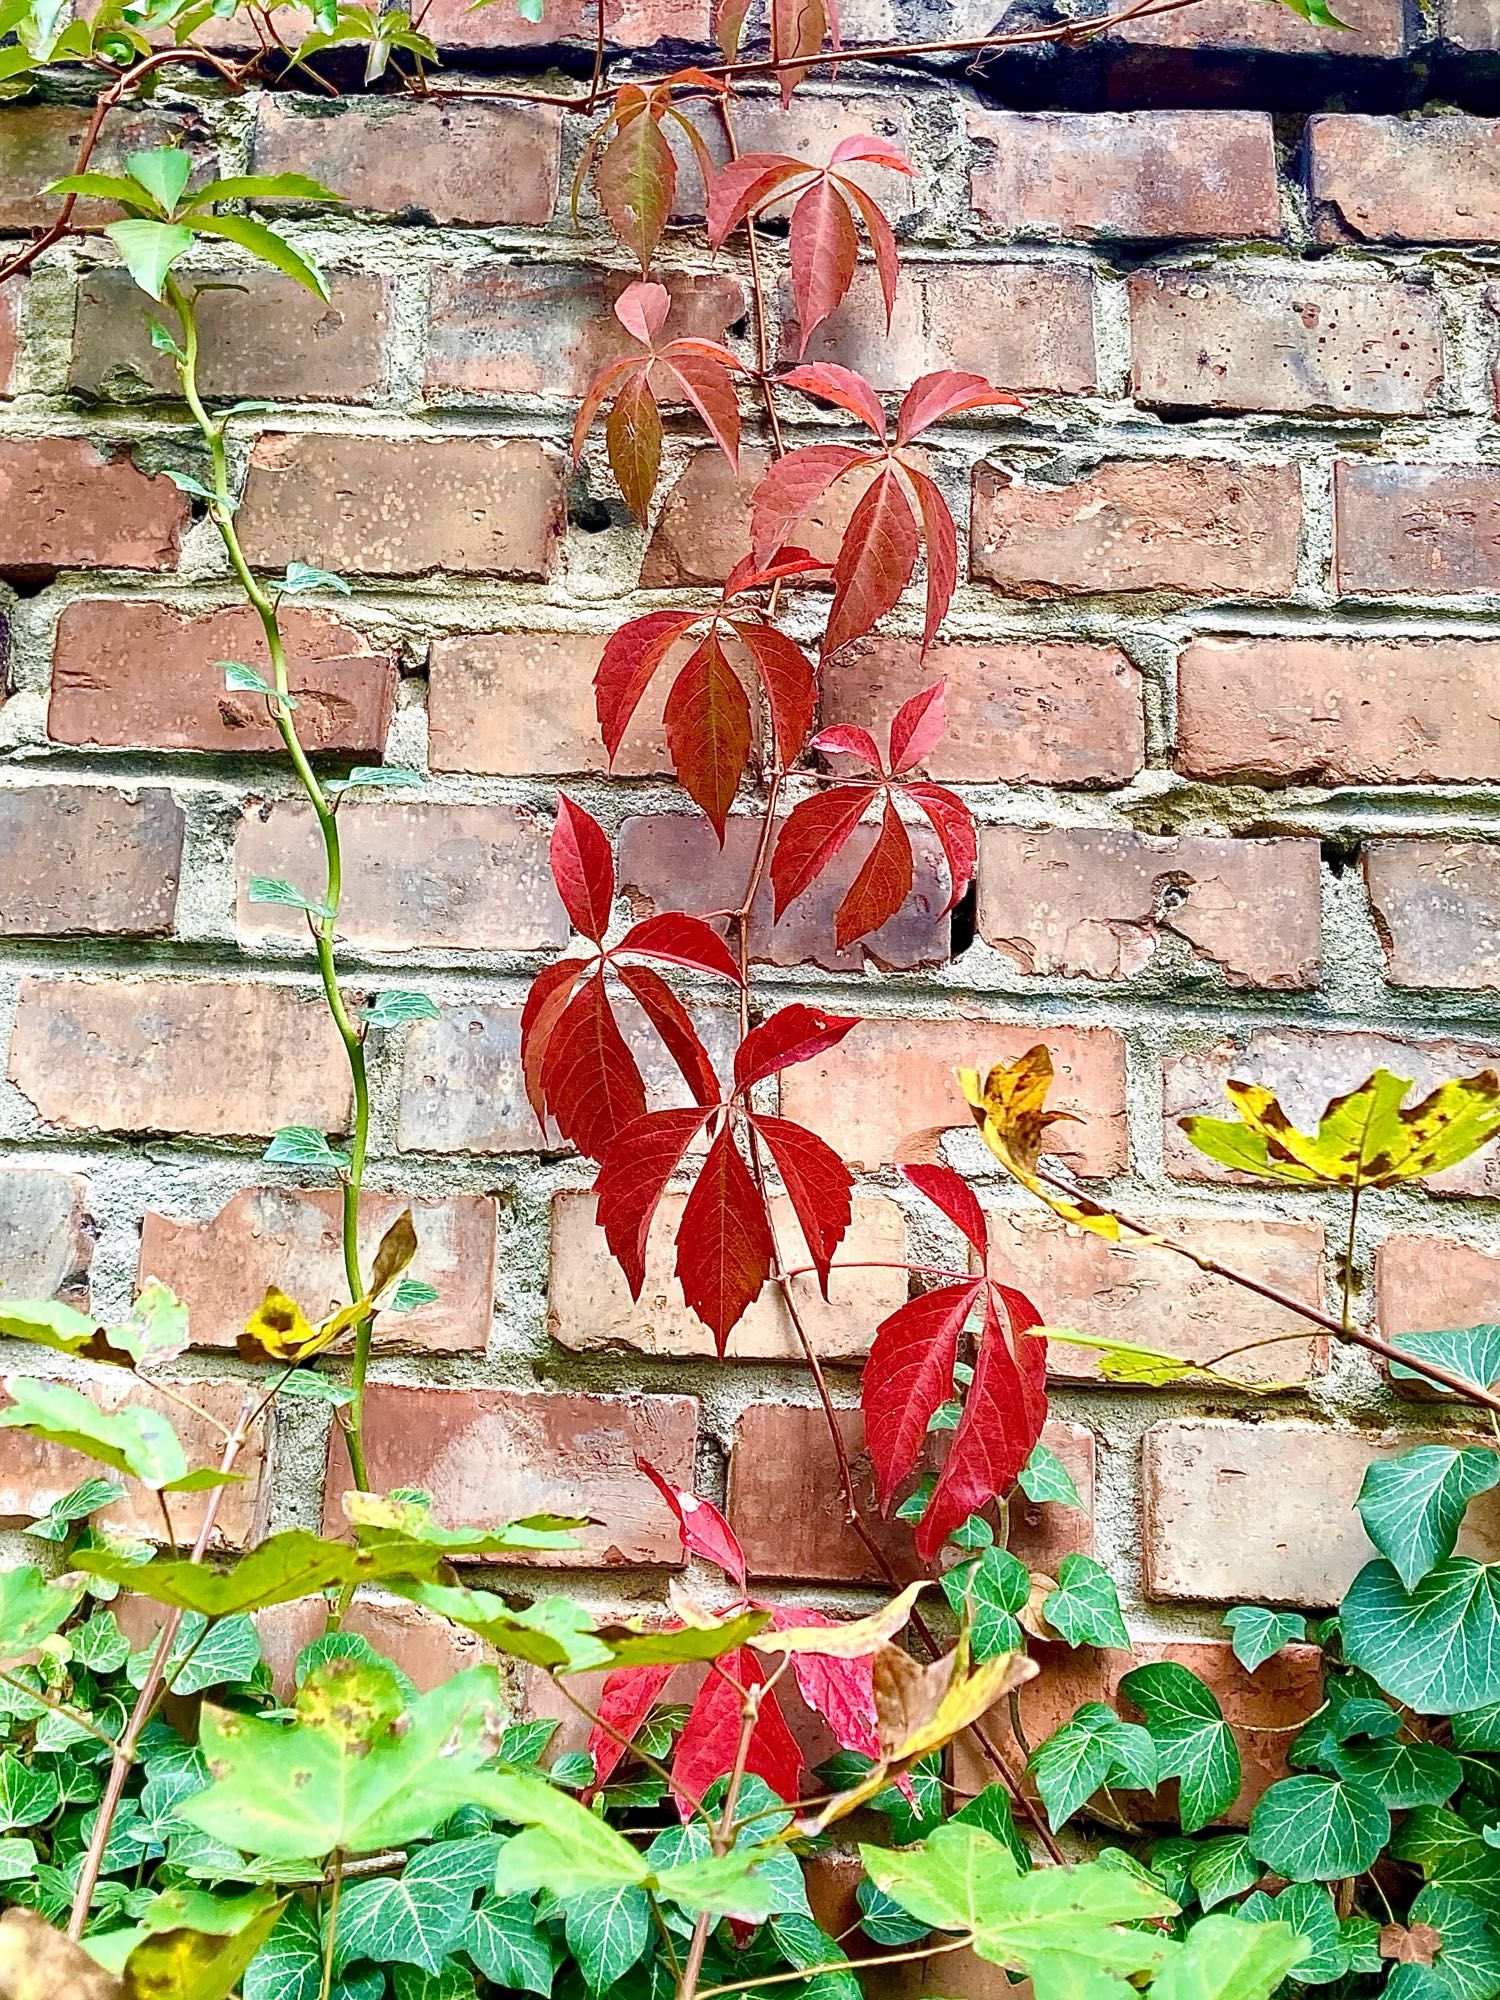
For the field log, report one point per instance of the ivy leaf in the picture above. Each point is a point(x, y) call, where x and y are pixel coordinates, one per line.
point(1085, 1607)
point(391, 1010)
point(564, 1847)
point(1467, 1966)
point(302, 577)
point(991, 1811)
point(1449, 1852)
point(989, 1591)
point(607, 1930)
point(1471, 1351)
point(504, 1942)
point(1308, 1908)
point(302, 1146)
point(1045, 1477)
point(1194, 1744)
point(1401, 1774)
point(452, 1982)
point(272, 889)
point(136, 1440)
point(1224, 1958)
point(1091, 1750)
point(1413, 1506)
point(1315, 1829)
point(410, 1919)
point(1435, 1648)
point(1223, 1868)
point(64, 1514)
point(149, 249)
point(29, 1793)
point(1258, 1633)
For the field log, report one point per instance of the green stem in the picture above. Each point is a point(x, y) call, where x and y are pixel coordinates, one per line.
point(221, 511)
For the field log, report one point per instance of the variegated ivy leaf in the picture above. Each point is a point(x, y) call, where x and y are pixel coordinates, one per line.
point(1258, 1633)
point(1194, 1744)
point(1435, 1648)
point(1413, 1506)
point(1316, 1829)
point(1309, 1909)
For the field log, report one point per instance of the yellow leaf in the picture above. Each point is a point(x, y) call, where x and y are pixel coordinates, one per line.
point(279, 1326)
point(846, 1642)
point(1009, 1108)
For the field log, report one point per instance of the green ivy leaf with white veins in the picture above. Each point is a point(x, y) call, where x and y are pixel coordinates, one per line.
point(1317, 1829)
point(1223, 1868)
point(1194, 1744)
point(1435, 1648)
point(502, 1939)
point(1308, 1908)
point(1401, 1775)
point(1413, 1506)
point(398, 1919)
point(1467, 1966)
point(1085, 1607)
point(607, 1931)
point(1091, 1750)
point(1258, 1634)
point(1044, 1477)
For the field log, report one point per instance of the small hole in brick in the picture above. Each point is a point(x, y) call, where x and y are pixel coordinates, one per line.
point(961, 921)
point(584, 511)
point(1340, 852)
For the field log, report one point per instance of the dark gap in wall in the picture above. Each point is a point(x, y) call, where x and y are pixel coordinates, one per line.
point(1341, 852)
point(963, 924)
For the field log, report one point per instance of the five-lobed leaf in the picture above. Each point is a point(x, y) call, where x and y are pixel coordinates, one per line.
point(1194, 1743)
point(1413, 1506)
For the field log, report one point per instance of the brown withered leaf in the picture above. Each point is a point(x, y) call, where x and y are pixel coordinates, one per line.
point(397, 1248)
point(1416, 1945)
point(1031, 1616)
point(39, 1963)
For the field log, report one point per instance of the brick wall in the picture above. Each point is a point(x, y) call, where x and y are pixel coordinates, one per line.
point(1225, 686)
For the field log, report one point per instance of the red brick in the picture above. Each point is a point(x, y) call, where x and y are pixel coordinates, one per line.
point(1305, 1069)
point(1097, 904)
point(268, 337)
point(1373, 28)
point(1125, 175)
point(1338, 711)
point(1241, 340)
point(629, 24)
point(428, 1649)
point(217, 1058)
point(291, 1237)
point(1426, 1284)
point(84, 860)
point(376, 506)
point(1119, 1291)
point(429, 159)
point(1022, 326)
point(68, 504)
point(10, 311)
point(1470, 24)
point(590, 1309)
point(1020, 711)
point(786, 1503)
point(418, 875)
point(809, 129)
point(1193, 525)
point(1432, 179)
point(34, 1474)
point(39, 144)
point(673, 861)
point(703, 525)
point(135, 674)
point(1436, 905)
point(547, 329)
point(46, 1235)
point(521, 704)
point(1235, 1512)
point(917, 1094)
point(1427, 528)
point(488, 1456)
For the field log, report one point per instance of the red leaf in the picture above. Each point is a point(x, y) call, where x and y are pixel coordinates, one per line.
point(636, 181)
point(792, 1034)
point(625, 1701)
point(944, 394)
point(706, 384)
point(789, 679)
point(875, 562)
point(745, 576)
point(882, 241)
point(583, 867)
point(953, 824)
point(710, 1737)
point(743, 185)
point(708, 730)
point(814, 831)
point(942, 551)
point(880, 153)
point(824, 247)
point(848, 739)
point(841, 1691)
point(681, 940)
point(729, 25)
point(1004, 1411)
point(590, 1080)
point(798, 28)
point(793, 486)
point(550, 993)
point(724, 1246)
point(642, 310)
point(594, 398)
point(818, 1185)
point(882, 884)
point(632, 438)
point(704, 1530)
point(917, 726)
point(674, 1025)
point(630, 658)
point(909, 1375)
point(953, 1195)
point(834, 384)
point(632, 1179)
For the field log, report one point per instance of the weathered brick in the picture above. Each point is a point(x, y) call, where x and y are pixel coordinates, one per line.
point(1242, 340)
point(1426, 1284)
point(1433, 179)
point(1137, 176)
point(547, 329)
point(1374, 28)
point(46, 1235)
point(69, 504)
point(82, 859)
point(418, 874)
point(809, 129)
point(521, 704)
point(10, 312)
point(1022, 326)
point(703, 525)
point(1265, 1512)
point(39, 144)
point(1427, 528)
point(292, 1237)
point(34, 1473)
point(428, 1649)
point(1338, 711)
point(1470, 24)
point(786, 1504)
point(1129, 1292)
point(219, 1058)
point(134, 674)
point(1436, 905)
point(673, 861)
point(1200, 526)
point(1306, 1068)
point(917, 1095)
point(1020, 711)
point(629, 24)
point(1097, 904)
point(377, 506)
point(420, 159)
point(488, 1456)
point(590, 1308)
point(268, 336)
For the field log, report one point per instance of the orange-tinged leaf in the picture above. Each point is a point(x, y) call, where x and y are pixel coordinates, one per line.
point(882, 239)
point(632, 436)
point(1009, 1107)
point(950, 1192)
point(625, 1703)
point(798, 28)
point(632, 1180)
point(744, 186)
point(590, 1079)
point(882, 884)
point(789, 679)
point(710, 1737)
point(679, 939)
point(944, 394)
point(918, 726)
point(595, 397)
point(824, 247)
point(790, 489)
point(630, 658)
point(875, 562)
point(703, 1528)
point(642, 310)
point(831, 382)
point(724, 1246)
point(705, 383)
point(941, 538)
point(793, 1034)
point(729, 26)
point(636, 180)
point(814, 831)
point(709, 731)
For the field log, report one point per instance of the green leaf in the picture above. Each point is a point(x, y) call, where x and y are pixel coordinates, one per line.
point(1472, 1352)
point(1477, 1728)
point(411, 1294)
point(186, 483)
point(387, 1521)
point(1361, 1940)
point(63, 1515)
point(565, 1848)
point(219, 1655)
point(503, 1941)
point(1450, 1853)
point(241, 679)
point(381, 774)
point(301, 577)
point(163, 173)
point(950, 1881)
point(291, 1565)
point(1436, 1648)
point(884, 1922)
point(1401, 1774)
point(989, 1591)
point(731, 1885)
point(29, 1794)
point(391, 1010)
point(607, 1930)
point(312, 1387)
point(17, 1860)
point(991, 1811)
point(1258, 1633)
point(1467, 1966)
point(99, 1644)
point(99, 187)
point(1045, 1477)
point(1413, 1506)
point(47, 1323)
point(289, 1966)
point(1315, 1829)
point(263, 187)
point(1224, 1958)
point(134, 1440)
point(411, 1919)
point(1093, 1749)
point(272, 889)
point(302, 1146)
point(1194, 1744)
point(453, 1982)
point(266, 246)
point(1085, 1607)
point(1308, 1908)
point(1317, 11)
point(149, 250)
point(1223, 1868)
